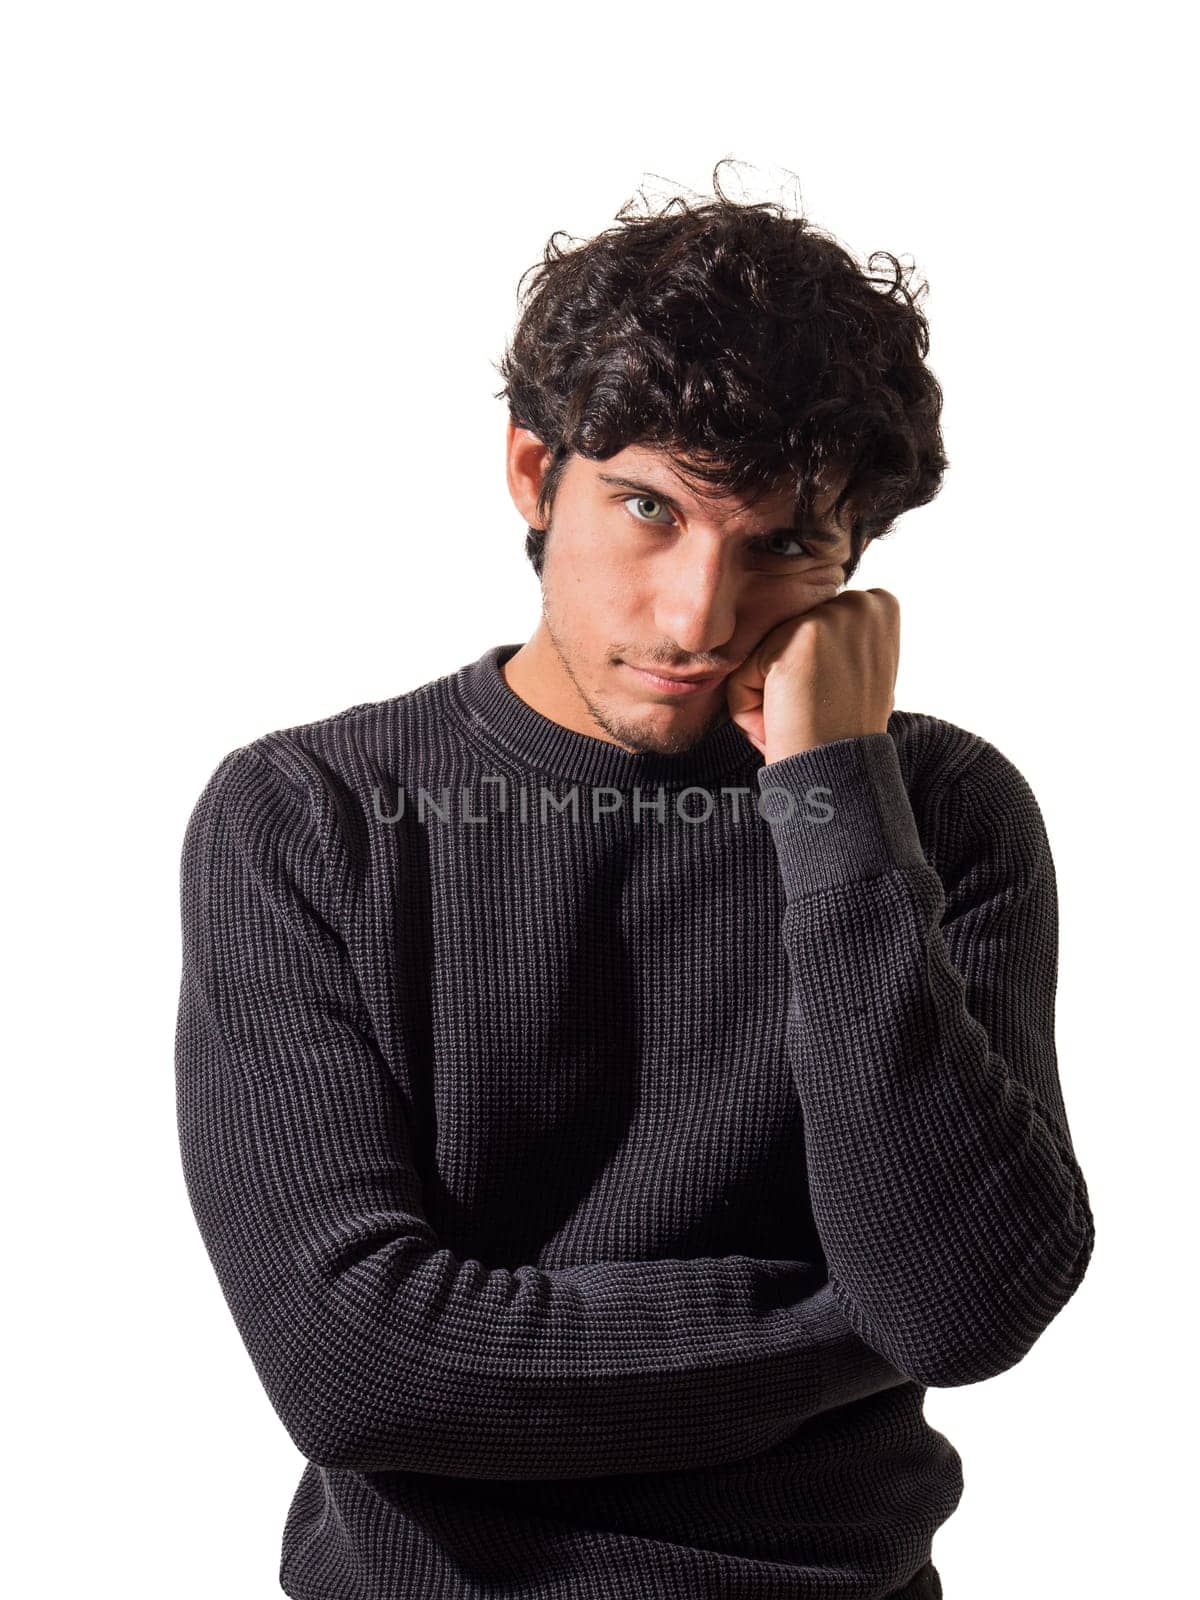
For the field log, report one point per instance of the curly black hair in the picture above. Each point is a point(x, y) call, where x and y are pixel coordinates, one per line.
point(743, 341)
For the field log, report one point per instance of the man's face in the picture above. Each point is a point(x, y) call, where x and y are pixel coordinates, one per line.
point(640, 573)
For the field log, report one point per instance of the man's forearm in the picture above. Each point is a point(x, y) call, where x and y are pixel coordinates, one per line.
point(951, 1209)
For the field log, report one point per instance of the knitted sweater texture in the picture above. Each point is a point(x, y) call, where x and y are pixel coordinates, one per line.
point(600, 1154)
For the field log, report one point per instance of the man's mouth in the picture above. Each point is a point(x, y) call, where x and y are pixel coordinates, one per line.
point(674, 683)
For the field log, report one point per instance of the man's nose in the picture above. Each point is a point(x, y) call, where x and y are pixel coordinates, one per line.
point(696, 600)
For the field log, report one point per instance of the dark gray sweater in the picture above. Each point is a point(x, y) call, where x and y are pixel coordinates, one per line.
point(598, 1172)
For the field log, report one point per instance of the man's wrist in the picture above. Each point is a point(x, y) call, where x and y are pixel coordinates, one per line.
point(797, 743)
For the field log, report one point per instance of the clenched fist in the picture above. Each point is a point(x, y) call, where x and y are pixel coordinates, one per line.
point(828, 673)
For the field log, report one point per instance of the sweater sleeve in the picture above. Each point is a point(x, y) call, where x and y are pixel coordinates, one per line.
point(952, 1212)
point(379, 1348)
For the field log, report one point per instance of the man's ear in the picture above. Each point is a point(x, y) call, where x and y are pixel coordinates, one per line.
point(526, 463)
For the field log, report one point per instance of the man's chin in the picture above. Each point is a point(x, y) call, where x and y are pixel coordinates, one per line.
point(641, 739)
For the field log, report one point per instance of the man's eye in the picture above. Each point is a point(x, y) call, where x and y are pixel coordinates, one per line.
point(801, 549)
point(643, 500)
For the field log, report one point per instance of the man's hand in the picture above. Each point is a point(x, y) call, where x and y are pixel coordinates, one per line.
point(829, 673)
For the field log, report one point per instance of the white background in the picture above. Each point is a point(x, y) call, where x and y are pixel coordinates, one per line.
point(259, 260)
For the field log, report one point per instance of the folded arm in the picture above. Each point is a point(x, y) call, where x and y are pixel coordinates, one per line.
point(951, 1209)
point(379, 1347)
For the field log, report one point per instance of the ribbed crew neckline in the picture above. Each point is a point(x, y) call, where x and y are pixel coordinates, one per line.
point(495, 713)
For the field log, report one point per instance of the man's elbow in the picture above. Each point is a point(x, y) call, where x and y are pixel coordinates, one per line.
point(330, 1433)
point(973, 1351)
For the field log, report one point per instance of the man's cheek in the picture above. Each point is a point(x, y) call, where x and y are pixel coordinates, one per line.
point(831, 577)
point(820, 585)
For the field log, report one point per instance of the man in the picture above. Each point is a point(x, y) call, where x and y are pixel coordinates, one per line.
point(618, 1077)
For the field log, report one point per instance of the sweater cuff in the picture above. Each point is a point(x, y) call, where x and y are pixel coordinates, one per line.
point(840, 813)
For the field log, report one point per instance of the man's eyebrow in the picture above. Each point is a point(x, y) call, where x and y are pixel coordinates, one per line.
point(817, 535)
